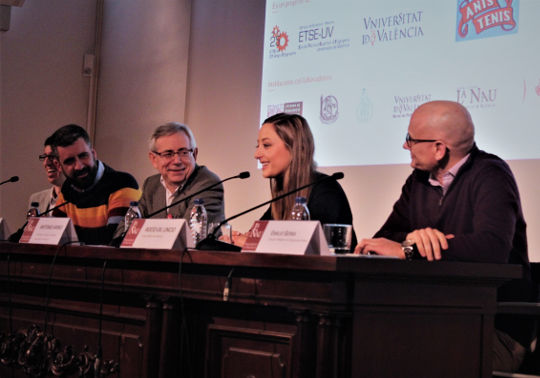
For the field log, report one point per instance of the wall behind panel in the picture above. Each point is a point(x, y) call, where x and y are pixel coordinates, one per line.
point(143, 78)
point(42, 89)
point(225, 67)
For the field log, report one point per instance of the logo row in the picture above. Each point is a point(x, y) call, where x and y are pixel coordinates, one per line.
point(475, 19)
point(401, 106)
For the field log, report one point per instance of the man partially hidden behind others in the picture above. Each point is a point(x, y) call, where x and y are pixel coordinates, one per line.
point(47, 198)
point(461, 204)
point(97, 196)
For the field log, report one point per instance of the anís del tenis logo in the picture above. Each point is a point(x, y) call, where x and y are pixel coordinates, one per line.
point(486, 18)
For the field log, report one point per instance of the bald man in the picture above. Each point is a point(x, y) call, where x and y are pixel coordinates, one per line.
point(460, 204)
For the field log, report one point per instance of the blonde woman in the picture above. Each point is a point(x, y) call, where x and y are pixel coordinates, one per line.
point(285, 151)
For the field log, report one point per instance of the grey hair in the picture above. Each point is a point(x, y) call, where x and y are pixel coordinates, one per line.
point(171, 128)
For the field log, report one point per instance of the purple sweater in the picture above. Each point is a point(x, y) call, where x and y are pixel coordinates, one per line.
point(482, 209)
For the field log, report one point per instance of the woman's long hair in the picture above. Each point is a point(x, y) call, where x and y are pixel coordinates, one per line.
point(294, 131)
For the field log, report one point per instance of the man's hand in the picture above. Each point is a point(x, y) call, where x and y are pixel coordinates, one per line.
point(381, 246)
point(430, 242)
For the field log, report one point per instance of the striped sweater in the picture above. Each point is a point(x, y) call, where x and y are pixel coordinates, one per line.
point(96, 212)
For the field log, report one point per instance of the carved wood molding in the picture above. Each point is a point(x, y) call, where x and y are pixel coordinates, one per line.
point(40, 355)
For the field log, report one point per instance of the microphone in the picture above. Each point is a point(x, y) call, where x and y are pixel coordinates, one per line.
point(11, 179)
point(212, 244)
point(241, 175)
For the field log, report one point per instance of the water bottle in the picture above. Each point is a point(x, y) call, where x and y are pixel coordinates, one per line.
point(300, 210)
point(133, 212)
point(33, 211)
point(198, 220)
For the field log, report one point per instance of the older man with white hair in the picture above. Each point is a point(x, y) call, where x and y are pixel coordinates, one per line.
point(173, 153)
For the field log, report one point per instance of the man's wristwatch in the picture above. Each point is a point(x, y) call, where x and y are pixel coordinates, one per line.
point(408, 249)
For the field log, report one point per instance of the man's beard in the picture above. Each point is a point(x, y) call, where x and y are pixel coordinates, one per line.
point(86, 181)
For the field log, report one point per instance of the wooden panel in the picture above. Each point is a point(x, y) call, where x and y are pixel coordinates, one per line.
point(242, 352)
point(164, 314)
point(427, 344)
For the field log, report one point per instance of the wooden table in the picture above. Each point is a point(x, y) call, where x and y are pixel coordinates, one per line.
point(164, 312)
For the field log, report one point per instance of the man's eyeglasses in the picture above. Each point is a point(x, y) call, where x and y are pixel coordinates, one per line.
point(43, 157)
point(183, 153)
point(411, 141)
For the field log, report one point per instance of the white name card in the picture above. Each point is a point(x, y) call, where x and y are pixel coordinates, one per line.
point(158, 234)
point(49, 230)
point(287, 237)
point(4, 229)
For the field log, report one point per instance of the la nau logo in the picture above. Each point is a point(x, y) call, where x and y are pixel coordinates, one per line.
point(477, 97)
point(486, 18)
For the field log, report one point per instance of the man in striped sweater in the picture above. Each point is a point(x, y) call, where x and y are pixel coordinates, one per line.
point(96, 196)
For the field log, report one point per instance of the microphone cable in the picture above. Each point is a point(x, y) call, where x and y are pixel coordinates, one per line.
point(184, 330)
point(10, 303)
point(228, 285)
point(99, 355)
point(49, 282)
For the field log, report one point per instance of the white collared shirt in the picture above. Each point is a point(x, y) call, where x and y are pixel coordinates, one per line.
point(448, 176)
point(169, 196)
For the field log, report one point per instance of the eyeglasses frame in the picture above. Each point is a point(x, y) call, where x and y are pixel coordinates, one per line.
point(182, 153)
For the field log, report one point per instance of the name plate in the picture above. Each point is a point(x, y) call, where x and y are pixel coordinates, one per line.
point(4, 230)
point(158, 234)
point(287, 237)
point(49, 230)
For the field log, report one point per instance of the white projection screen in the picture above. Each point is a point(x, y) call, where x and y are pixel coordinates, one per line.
point(357, 69)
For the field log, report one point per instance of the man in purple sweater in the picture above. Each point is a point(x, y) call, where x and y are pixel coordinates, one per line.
point(460, 204)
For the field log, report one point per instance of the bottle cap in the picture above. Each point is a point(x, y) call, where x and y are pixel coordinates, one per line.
point(133, 203)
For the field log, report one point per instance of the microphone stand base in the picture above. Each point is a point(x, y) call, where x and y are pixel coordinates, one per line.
point(211, 244)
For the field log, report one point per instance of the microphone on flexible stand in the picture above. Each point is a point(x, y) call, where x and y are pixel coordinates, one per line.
point(242, 175)
point(212, 244)
point(11, 179)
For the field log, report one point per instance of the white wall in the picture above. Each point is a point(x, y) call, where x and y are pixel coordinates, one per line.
point(143, 78)
point(223, 90)
point(42, 89)
point(143, 83)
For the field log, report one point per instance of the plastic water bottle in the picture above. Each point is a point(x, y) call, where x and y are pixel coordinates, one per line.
point(300, 210)
point(33, 211)
point(198, 220)
point(133, 212)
